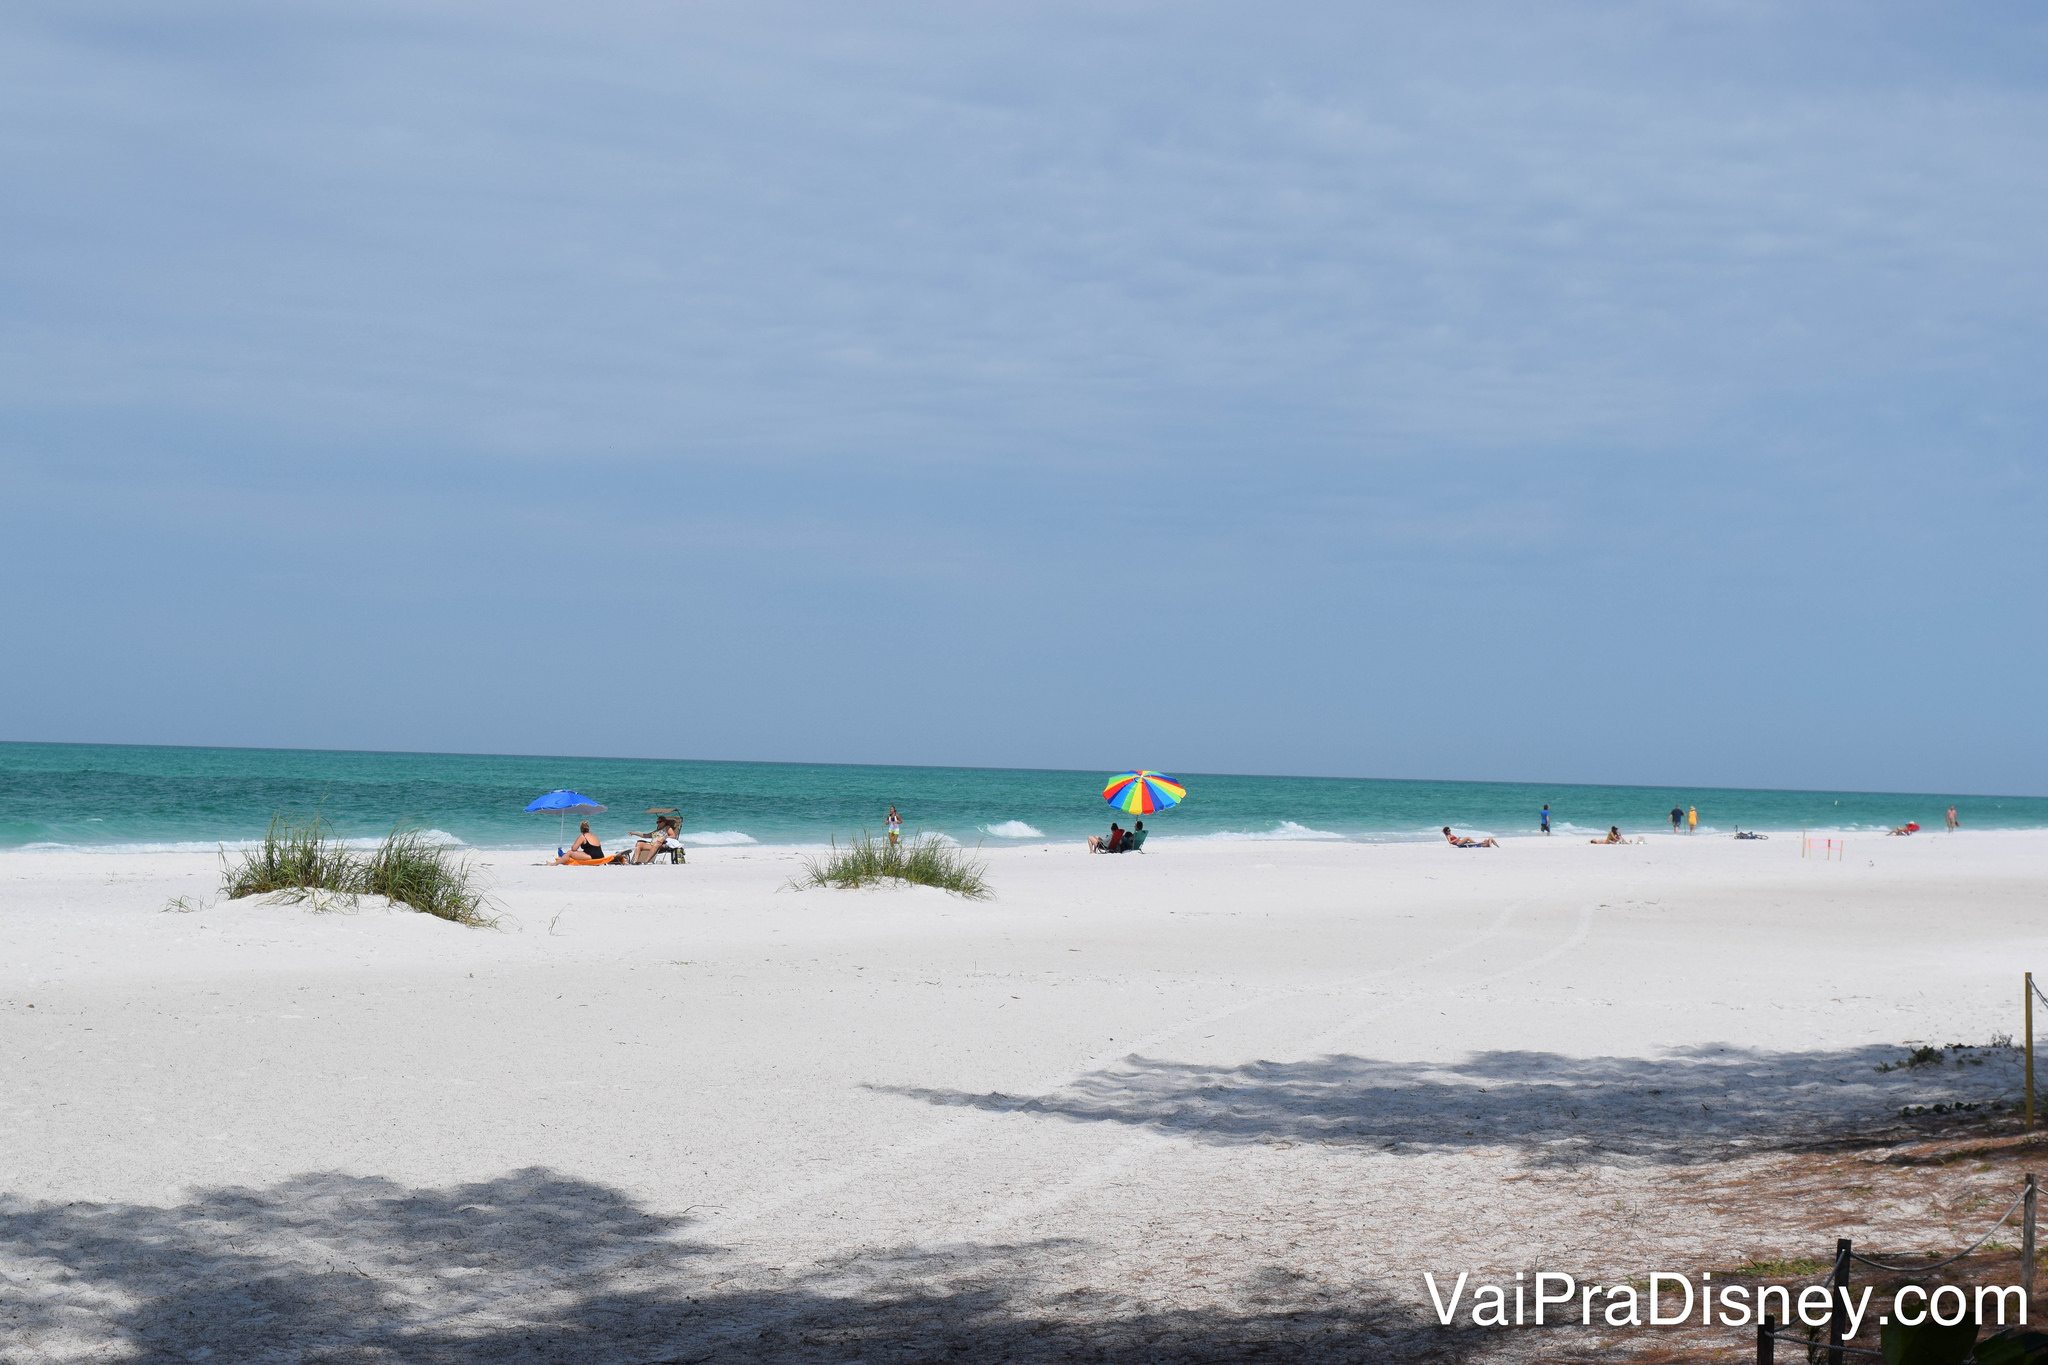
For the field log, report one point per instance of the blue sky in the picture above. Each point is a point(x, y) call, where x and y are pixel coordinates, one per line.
point(1591, 393)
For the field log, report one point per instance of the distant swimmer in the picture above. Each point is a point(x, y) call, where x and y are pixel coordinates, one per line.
point(1456, 842)
point(1546, 818)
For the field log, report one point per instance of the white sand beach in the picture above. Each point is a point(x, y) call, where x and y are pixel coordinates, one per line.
point(1197, 1103)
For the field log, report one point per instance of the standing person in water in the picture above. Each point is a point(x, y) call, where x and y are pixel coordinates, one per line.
point(1546, 817)
point(894, 824)
point(1692, 820)
point(1953, 823)
point(1677, 818)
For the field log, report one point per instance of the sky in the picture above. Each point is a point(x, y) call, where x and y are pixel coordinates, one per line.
point(1584, 392)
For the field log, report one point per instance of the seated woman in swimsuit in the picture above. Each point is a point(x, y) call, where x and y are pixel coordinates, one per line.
point(1613, 836)
point(666, 832)
point(586, 845)
point(1456, 842)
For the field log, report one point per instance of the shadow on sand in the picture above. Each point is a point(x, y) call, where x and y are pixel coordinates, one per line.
point(1691, 1105)
point(537, 1267)
point(534, 1267)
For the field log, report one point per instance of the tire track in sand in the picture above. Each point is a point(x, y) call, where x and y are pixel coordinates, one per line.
point(1127, 1153)
point(967, 1122)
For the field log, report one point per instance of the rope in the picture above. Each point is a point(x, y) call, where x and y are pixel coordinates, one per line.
point(2035, 987)
point(1917, 1269)
point(1786, 1333)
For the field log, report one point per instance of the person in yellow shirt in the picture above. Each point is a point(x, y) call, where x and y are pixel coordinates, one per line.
point(1692, 820)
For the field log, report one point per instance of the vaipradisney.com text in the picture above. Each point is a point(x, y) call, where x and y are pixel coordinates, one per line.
point(1672, 1299)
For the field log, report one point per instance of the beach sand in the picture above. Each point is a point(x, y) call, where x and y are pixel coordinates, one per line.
point(1218, 1099)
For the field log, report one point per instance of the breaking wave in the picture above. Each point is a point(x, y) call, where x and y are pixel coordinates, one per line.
point(1286, 829)
point(1012, 829)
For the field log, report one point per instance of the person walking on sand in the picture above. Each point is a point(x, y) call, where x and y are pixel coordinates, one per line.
point(894, 824)
point(1692, 820)
point(1546, 817)
point(1953, 823)
point(1677, 818)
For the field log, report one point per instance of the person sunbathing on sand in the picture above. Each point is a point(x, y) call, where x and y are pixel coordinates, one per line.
point(1910, 827)
point(1456, 842)
point(1613, 836)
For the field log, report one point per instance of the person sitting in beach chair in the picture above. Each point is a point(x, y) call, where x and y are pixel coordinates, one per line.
point(1613, 836)
point(664, 838)
point(1910, 827)
point(1134, 842)
point(1113, 843)
point(1457, 842)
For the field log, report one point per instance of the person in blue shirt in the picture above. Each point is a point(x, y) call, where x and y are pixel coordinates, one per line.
point(1546, 818)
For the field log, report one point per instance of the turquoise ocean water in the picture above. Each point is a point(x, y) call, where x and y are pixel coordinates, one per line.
point(95, 796)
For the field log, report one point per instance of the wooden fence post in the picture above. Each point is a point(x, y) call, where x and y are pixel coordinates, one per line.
point(1835, 1314)
point(2027, 1242)
point(1766, 1344)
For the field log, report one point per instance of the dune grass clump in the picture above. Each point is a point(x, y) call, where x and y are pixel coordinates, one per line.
point(428, 877)
point(299, 861)
point(925, 861)
point(300, 858)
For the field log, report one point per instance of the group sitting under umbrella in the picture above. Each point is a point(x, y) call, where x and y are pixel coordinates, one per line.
point(1119, 839)
point(666, 836)
point(1140, 792)
point(588, 849)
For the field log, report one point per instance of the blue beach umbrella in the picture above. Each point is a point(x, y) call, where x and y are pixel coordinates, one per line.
point(565, 803)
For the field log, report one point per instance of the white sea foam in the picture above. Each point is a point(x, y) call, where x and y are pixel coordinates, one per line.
point(440, 838)
point(714, 838)
point(1286, 829)
point(1012, 829)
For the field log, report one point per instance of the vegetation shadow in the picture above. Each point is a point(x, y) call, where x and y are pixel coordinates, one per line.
point(1689, 1105)
point(536, 1267)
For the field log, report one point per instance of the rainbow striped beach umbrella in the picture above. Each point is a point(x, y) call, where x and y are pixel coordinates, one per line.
point(1143, 792)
